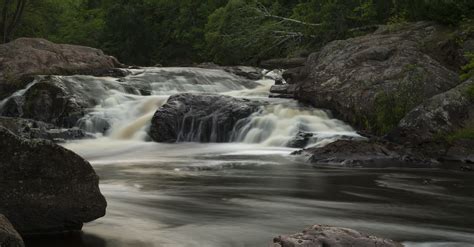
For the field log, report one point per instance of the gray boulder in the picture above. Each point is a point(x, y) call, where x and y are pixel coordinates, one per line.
point(328, 236)
point(45, 188)
point(369, 153)
point(448, 116)
point(9, 237)
point(374, 80)
point(24, 57)
point(199, 117)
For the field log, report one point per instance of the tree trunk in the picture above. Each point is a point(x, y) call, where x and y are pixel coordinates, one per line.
point(20, 7)
point(4, 20)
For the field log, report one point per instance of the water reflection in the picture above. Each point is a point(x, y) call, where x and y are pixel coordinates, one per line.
point(243, 195)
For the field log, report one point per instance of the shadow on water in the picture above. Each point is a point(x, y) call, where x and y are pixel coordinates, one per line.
point(74, 239)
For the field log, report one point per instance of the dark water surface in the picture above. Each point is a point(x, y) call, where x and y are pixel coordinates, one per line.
point(244, 195)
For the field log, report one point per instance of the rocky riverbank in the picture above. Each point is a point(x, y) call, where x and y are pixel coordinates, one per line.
point(400, 87)
point(402, 84)
point(44, 188)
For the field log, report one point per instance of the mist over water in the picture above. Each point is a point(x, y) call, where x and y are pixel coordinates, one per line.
point(248, 191)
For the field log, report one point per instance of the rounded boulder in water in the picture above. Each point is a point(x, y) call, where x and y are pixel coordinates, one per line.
point(45, 188)
point(199, 118)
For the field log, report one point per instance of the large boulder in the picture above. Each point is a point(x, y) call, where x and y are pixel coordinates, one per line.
point(9, 237)
point(448, 116)
point(61, 100)
point(24, 57)
point(374, 80)
point(328, 236)
point(45, 188)
point(368, 153)
point(199, 117)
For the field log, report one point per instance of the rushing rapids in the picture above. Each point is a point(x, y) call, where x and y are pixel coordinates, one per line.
point(122, 108)
point(244, 192)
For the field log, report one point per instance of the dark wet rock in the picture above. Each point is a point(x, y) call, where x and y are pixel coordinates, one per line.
point(294, 75)
point(283, 90)
point(363, 79)
point(247, 72)
point(283, 63)
point(301, 140)
point(199, 117)
point(328, 236)
point(460, 150)
point(31, 129)
point(45, 188)
point(467, 168)
point(24, 57)
point(369, 153)
point(62, 101)
point(279, 81)
point(9, 237)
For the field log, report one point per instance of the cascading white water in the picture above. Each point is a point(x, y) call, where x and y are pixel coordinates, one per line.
point(124, 107)
point(17, 94)
point(277, 125)
point(121, 115)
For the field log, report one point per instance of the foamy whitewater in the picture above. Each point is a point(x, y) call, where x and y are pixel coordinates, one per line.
point(245, 192)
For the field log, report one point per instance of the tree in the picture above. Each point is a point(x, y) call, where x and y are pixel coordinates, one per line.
point(12, 12)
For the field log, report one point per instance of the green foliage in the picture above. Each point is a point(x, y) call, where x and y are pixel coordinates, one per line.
point(225, 31)
point(391, 107)
point(468, 69)
point(465, 133)
point(470, 93)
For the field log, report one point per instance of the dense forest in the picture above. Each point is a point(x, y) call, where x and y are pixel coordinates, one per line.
point(147, 32)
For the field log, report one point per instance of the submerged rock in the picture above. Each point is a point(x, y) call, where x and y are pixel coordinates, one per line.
point(199, 117)
point(9, 237)
point(328, 236)
point(45, 188)
point(370, 153)
point(24, 57)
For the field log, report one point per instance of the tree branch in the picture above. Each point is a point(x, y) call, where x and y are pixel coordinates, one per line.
point(266, 13)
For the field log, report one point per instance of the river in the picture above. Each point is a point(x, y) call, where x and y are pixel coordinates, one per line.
point(246, 192)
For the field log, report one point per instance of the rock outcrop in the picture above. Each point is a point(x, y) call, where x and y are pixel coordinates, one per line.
point(449, 115)
point(328, 236)
point(374, 80)
point(370, 153)
point(9, 237)
point(61, 100)
point(199, 117)
point(45, 188)
point(25, 57)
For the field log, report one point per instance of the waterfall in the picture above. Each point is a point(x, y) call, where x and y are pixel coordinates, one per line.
point(280, 124)
point(122, 108)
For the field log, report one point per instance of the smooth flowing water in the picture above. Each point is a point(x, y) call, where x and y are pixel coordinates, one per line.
point(246, 192)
